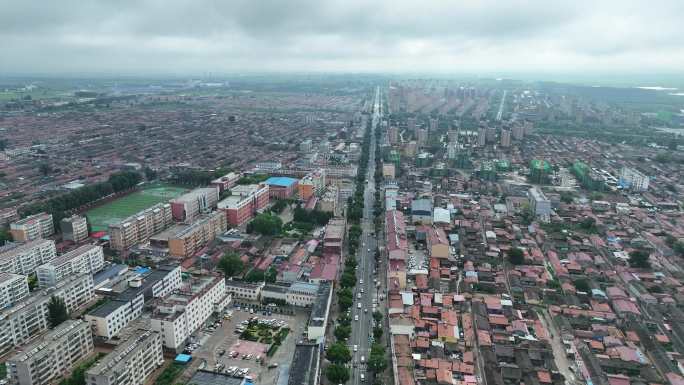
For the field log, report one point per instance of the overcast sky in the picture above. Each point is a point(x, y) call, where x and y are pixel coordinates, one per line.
point(447, 36)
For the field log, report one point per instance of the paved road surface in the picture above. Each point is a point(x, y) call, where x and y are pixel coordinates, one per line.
point(362, 329)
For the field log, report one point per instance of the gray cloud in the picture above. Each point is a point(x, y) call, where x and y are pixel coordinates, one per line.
point(186, 36)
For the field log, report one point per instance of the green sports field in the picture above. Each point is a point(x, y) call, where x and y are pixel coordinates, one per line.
point(102, 216)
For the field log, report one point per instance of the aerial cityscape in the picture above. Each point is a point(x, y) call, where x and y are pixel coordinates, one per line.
point(249, 194)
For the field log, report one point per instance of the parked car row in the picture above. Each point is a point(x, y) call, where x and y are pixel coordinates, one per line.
point(232, 371)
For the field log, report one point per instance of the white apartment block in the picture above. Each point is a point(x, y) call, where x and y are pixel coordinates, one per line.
point(108, 320)
point(52, 356)
point(244, 290)
point(633, 179)
point(13, 289)
point(87, 259)
point(180, 314)
point(24, 258)
point(163, 281)
point(140, 227)
point(188, 207)
point(131, 363)
point(23, 321)
point(33, 227)
point(74, 228)
point(539, 203)
point(302, 294)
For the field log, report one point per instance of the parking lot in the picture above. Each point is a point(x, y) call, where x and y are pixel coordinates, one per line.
point(417, 259)
point(224, 348)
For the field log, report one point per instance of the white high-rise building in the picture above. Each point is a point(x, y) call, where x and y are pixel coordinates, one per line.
point(131, 363)
point(633, 179)
point(33, 227)
point(52, 356)
point(13, 289)
point(539, 203)
point(180, 314)
point(505, 138)
point(86, 259)
point(74, 228)
point(28, 318)
point(24, 258)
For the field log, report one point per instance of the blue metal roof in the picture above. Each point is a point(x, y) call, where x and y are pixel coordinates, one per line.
point(281, 181)
point(183, 358)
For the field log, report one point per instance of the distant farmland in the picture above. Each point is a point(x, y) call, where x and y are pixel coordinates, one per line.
point(102, 216)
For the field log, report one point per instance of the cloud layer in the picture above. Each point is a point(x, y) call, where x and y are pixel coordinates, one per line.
point(449, 36)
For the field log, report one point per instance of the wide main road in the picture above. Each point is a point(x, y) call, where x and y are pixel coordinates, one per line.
point(362, 329)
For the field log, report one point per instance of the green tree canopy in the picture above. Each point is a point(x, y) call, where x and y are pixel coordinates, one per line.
point(639, 258)
point(231, 264)
point(516, 256)
point(377, 316)
point(267, 224)
point(337, 374)
point(582, 285)
point(377, 361)
point(57, 311)
point(348, 279)
point(342, 332)
point(338, 353)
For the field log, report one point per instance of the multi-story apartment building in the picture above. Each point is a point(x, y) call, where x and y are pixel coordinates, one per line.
point(13, 289)
point(33, 227)
point(185, 240)
point(131, 363)
point(8, 215)
point(393, 134)
point(302, 294)
point(312, 184)
point(328, 201)
point(28, 318)
point(141, 226)
point(226, 182)
point(539, 203)
point(282, 187)
point(24, 258)
point(505, 138)
point(85, 259)
point(244, 290)
point(74, 228)
point(244, 202)
point(181, 313)
point(518, 132)
point(633, 179)
point(52, 356)
point(482, 137)
point(187, 207)
point(110, 318)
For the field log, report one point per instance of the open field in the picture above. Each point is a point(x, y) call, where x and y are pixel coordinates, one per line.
point(101, 217)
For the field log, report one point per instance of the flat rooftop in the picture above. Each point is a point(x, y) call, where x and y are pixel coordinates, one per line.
point(304, 368)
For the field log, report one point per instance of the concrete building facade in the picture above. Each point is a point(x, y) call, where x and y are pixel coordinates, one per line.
point(192, 238)
point(244, 202)
point(87, 259)
point(183, 312)
point(32, 227)
point(52, 356)
point(28, 318)
point(633, 179)
point(131, 363)
point(24, 258)
point(539, 203)
point(74, 228)
point(188, 207)
point(140, 227)
point(13, 289)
